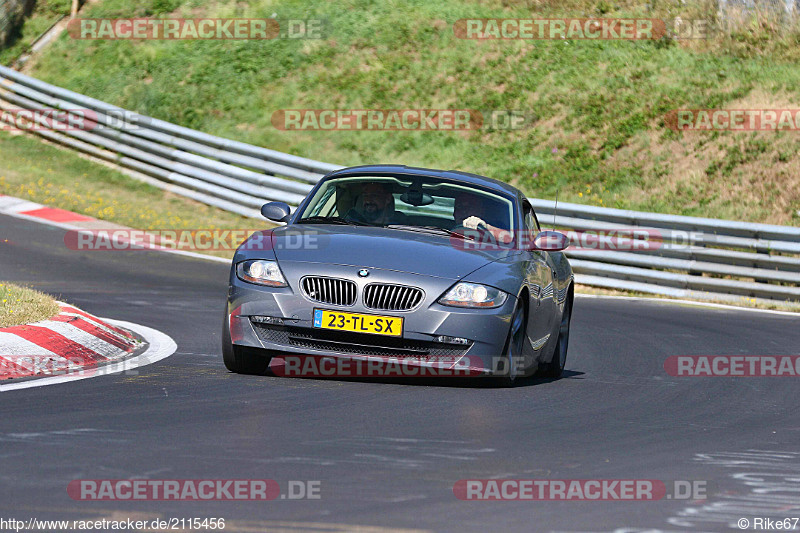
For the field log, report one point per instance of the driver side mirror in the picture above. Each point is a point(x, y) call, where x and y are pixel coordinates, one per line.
point(550, 241)
point(276, 211)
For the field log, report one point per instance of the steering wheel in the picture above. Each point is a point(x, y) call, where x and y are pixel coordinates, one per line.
point(484, 234)
point(458, 227)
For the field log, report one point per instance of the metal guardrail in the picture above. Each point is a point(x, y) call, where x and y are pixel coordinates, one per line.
point(698, 258)
point(228, 174)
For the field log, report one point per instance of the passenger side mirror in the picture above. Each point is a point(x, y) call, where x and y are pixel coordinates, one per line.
point(550, 241)
point(276, 211)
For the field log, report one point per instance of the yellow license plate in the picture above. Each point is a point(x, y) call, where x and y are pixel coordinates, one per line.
point(358, 323)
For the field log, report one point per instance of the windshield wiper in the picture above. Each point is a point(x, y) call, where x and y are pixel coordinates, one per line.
point(428, 229)
point(330, 220)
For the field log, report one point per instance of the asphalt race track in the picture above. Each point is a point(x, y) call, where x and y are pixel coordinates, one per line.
point(387, 454)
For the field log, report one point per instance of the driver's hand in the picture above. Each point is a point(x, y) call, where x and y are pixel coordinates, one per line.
point(473, 222)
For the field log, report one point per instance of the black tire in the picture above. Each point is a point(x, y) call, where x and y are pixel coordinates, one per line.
point(241, 359)
point(555, 367)
point(513, 348)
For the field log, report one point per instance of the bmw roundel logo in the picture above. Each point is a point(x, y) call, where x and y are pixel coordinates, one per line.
point(363, 273)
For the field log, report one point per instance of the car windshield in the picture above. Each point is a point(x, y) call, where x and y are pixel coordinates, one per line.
point(413, 203)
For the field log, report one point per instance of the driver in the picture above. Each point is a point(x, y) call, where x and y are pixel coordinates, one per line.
point(377, 206)
point(470, 211)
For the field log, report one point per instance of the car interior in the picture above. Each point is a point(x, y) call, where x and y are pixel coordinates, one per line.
point(437, 211)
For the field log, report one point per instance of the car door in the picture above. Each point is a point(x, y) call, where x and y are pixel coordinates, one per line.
point(541, 285)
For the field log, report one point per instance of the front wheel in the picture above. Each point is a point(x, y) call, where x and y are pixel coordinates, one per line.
point(555, 367)
point(241, 359)
point(512, 353)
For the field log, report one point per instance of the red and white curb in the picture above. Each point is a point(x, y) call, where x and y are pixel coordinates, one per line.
point(53, 216)
point(75, 345)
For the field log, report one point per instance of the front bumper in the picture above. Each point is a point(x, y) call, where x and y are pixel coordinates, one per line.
point(291, 331)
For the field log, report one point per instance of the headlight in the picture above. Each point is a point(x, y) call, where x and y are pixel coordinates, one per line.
point(473, 295)
point(261, 272)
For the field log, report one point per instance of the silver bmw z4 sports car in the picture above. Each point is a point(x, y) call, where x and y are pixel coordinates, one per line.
point(392, 262)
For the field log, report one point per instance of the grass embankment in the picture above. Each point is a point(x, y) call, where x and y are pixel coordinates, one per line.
point(20, 305)
point(598, 137)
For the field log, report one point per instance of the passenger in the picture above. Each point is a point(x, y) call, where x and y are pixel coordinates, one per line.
point(377, 206)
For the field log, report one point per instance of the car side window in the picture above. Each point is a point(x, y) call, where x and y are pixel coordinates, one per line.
point(531, 225)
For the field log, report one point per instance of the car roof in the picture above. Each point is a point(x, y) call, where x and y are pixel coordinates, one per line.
point(454, 175)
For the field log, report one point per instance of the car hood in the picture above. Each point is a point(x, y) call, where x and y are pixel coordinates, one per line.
point(384, 248)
